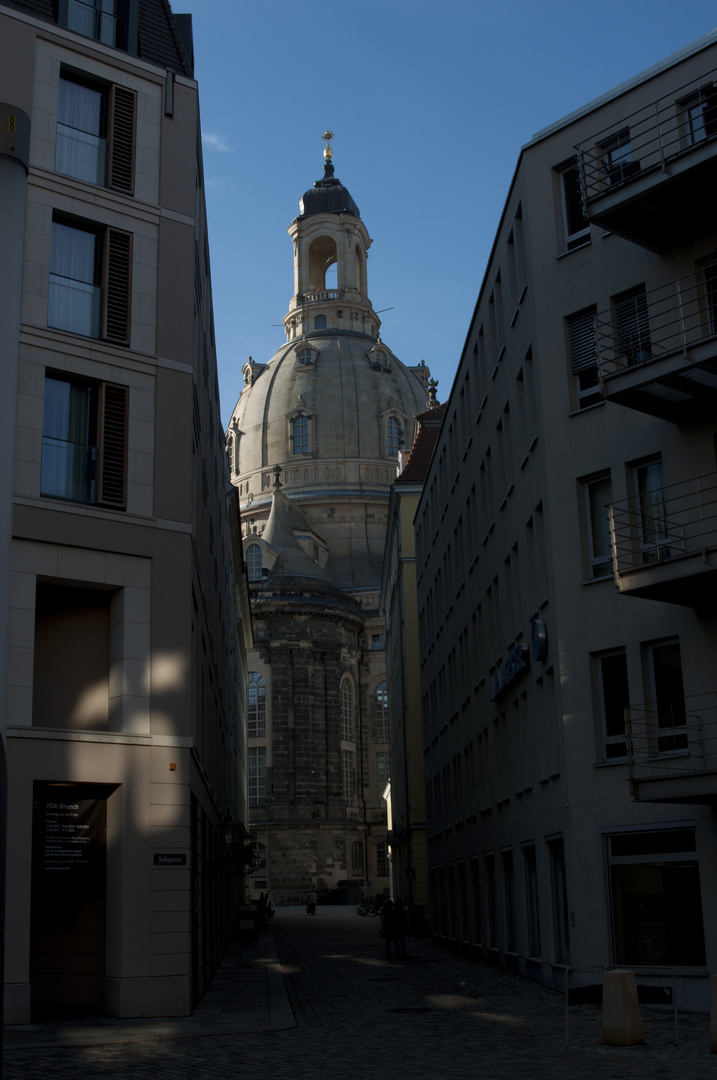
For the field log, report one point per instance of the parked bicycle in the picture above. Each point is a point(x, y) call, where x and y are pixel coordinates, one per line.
point(369, 906)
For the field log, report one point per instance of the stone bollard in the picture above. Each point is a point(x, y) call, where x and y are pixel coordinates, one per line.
point(713, 1014)
point(621, 1017)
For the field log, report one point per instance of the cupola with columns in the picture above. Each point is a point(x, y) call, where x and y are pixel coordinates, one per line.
point(329, 232)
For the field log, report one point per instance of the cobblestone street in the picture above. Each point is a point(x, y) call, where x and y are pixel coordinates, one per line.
point(357, 1015)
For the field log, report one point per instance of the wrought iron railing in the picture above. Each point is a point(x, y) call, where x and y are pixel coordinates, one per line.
point(649, 139)
point(672, 318)
point(669, 523)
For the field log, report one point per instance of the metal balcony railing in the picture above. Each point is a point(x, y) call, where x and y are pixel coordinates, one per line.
point(319, 295)
point(648, 139)
point(670, 319)
point(669, 523)
point(672, 739)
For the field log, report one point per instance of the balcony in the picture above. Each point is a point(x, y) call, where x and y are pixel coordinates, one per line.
point(657, 350)
point(650, 177)
point(672, 750)
point(664, 545)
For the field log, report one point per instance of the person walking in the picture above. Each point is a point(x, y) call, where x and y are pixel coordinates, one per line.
point(311, 901)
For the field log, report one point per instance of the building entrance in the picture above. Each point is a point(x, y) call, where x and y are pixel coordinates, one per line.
point(68, 906)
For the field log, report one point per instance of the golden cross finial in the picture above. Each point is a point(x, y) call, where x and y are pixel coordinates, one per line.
point(327, 137)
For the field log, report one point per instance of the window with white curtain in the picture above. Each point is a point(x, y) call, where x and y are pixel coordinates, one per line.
point(95, 132)
point(84, 441)
point(96, 19)
point(90, 277)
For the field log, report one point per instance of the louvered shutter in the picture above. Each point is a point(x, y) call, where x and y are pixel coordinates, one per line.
point(116, 282)
point(583, 346)
point(121, 126)
point(633, 325)
point(112, 445)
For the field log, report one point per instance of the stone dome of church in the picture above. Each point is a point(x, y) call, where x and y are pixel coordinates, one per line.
point(327, 414)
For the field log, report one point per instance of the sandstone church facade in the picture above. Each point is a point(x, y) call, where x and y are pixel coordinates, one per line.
point(313, 446)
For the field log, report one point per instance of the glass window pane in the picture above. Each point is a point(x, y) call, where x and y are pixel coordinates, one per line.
point(81, 149)
point(657, 912)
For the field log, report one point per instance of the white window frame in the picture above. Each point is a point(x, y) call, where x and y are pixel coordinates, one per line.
point(601, 564)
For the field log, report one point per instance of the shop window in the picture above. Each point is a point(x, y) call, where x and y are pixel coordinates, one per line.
point(656, 898)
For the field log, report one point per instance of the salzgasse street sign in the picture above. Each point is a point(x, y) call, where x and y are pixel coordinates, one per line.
point(170, 860)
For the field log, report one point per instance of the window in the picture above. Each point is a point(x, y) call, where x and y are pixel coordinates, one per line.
point(348, 759)
point(558, 878)
point(346, 695)
point(582, 329)
point(617, 157)
point(96, 19)
point(656, 898)
point(320, 322)
point(357, 858)
point(509, 896)
point(256, 773)
point(300, 434)
point(668, 696)
point(531, 895)
point(84, 441)
point(95, 133)
point(700, 114)
point(576, 230)
point(378, 642)
point(394, 436)
point(598, 496)
point(632, 326)
point(256, 706)
point(653, 531)
point(383, 769)
point(380, 712)
point(305, 356)
point(614, 699)
point(254, 562)
point(382, 859)
point(89, 289)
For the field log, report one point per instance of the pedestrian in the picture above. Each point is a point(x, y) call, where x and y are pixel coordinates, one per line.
point(270, 909)
point(400, 925)
point(311, 903)
point(387, 926)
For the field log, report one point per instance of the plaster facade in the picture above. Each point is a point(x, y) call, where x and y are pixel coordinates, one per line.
point(564, 546)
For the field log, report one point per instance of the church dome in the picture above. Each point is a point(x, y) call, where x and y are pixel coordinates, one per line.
point(327, 196)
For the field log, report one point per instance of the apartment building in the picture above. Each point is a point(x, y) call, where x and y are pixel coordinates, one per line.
point(128, 609)
point(565, 546)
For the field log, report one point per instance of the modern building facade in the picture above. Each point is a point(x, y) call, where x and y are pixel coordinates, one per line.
point(565, 543)
point(128, 608)
point(313, 445)
point(407, 794)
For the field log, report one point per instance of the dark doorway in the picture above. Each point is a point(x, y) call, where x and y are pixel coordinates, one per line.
point(68, 907)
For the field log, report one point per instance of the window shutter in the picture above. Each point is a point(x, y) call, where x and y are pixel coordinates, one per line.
point(121, 124)
point(583, 345)
point(116, 280)
point(112, 445)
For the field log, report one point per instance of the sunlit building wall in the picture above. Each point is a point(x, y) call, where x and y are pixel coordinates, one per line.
point(128, 613)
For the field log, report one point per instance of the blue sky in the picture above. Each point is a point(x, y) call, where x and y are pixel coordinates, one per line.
point(429, 103)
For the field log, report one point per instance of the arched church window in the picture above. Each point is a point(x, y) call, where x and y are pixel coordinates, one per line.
point(320, 322)
point(346, 695)
point(300, 434)
point(380, 712)
point(256, 706)
point(253, 562)
point(393, 435)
